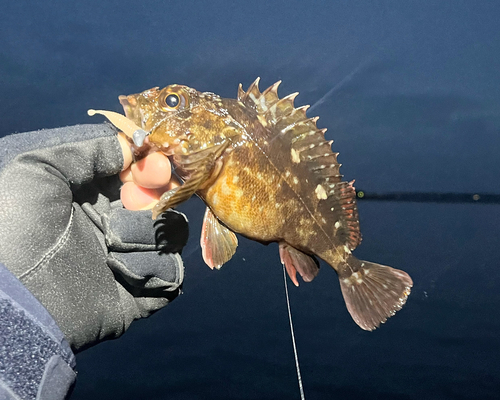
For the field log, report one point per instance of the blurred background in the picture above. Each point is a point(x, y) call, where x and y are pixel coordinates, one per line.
point(409, 91)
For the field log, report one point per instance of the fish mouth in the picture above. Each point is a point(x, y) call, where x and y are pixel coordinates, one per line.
point(131, 109)
point(133, 103)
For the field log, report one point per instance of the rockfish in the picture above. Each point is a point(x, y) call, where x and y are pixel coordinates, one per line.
point(265, 171)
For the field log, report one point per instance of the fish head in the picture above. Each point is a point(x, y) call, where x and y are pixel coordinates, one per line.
point(177, 116)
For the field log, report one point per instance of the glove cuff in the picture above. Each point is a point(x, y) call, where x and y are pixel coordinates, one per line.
point(26, 327)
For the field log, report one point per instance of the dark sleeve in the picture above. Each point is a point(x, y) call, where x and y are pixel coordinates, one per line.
point(36, 362)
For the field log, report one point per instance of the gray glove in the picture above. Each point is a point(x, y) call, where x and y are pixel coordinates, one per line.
point(65, 235)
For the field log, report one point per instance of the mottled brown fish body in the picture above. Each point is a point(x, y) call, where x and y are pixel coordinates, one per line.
point(264, 207)
point(265, 171)
point(257, 195)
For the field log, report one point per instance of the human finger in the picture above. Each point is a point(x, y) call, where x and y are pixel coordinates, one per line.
point(136, 197)
point(152, 172)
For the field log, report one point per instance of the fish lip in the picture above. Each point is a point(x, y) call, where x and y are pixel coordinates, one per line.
point(129, 104)
point(126, 104)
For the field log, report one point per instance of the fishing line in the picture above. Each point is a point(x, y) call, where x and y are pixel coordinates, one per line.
point(297, 366)
point(346, 79)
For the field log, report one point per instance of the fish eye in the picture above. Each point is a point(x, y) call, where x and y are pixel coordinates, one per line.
point(172, 100)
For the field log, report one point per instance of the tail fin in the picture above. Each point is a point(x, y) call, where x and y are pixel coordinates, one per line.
point(373, 292)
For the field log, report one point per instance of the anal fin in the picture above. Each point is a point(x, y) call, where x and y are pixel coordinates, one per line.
point(218, 243)
point(373, 292)
point(295, 260)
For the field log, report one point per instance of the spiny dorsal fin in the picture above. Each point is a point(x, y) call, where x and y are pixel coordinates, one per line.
point(307, 145)
point(254, 99)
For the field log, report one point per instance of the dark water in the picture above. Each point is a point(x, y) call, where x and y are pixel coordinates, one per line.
point(414, 106)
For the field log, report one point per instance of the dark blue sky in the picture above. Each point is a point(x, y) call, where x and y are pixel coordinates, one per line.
point(412, 103)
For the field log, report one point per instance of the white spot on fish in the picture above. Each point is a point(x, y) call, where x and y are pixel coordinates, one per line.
point(295, 156)
point(346, 249)
point(263, 103)
point(225, 189)
point(287, 173)
point(238, 193)
point(320, 192)
point(236, 179)
point(277, 205)
point(337, 226)
point(253, 198)
point(295, 180)
point(323, 220)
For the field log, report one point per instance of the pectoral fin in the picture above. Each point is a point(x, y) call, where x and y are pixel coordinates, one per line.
point(218, 243)
point(180, 194)
point(203, 159)
point(197, 168)
point(294, 260)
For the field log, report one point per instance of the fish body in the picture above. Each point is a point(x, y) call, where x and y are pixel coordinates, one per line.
point(265, 171)
point(262, 194)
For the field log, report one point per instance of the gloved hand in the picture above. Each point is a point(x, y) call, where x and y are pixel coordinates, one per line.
point(65, 235)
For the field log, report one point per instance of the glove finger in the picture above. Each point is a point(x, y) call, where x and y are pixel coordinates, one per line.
point(127, 230)
point(142, 272)
point(141, 307)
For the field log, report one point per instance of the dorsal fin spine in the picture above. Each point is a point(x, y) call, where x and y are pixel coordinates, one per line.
point(253, 93)
point(280, 109)
point(301, 137)
point(310, 122)
point(273, 88)
point(241, 92)
point(254, 86)
point(288, 100)
point(302, 110)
